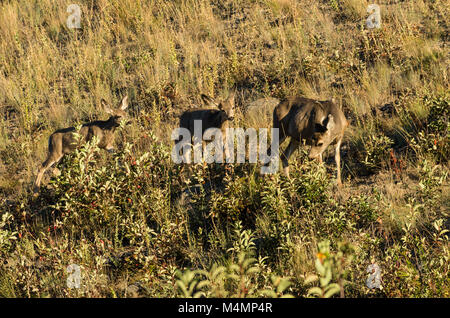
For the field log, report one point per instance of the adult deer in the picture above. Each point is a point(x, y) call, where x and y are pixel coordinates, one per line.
point(318, 123)
point(63, 141)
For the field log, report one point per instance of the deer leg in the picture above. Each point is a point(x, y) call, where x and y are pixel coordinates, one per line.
point(337, 158)
point(226, 149)
point(184, 154)
point(197, 147)
point(37, 182)
point(320, 158)
point(182, 151)
point(56, 171)
point(281, 139)
point(203, 150)
point(293, 145)
point(47, 164)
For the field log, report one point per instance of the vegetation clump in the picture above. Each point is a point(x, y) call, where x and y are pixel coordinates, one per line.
point(137, 224)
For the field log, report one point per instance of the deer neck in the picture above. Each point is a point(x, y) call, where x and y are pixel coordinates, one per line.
point(111, 123)
point(220, 118)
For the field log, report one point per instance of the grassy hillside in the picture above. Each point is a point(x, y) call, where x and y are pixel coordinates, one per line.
point(139, 225)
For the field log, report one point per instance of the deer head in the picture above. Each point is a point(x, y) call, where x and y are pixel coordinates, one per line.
point(227, 106)
point(117, 114)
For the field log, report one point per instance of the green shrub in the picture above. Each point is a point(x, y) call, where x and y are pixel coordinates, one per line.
point(376, 152)
point(7, 235)
point(241, 276)
point(122, 199)
point(330, 267)
point(433, 140)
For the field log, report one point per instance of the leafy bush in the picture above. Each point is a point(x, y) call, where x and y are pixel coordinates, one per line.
point(324, 264)
point(123, 200)
point(7, 236)
point(376, 152)
point(433, 141)
point(243, 276)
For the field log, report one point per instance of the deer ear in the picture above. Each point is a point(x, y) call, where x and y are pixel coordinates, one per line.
point(208, 100)
point(124, 104)
point(106, 107)
point(330, 122)
point(232, 95)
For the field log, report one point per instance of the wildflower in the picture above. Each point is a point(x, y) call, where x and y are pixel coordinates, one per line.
point(321, 257)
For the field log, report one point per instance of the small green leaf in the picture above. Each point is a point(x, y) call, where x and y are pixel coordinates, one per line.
point(311, 279)
point(315, 291)
point(283, 285)
point(331, 290)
